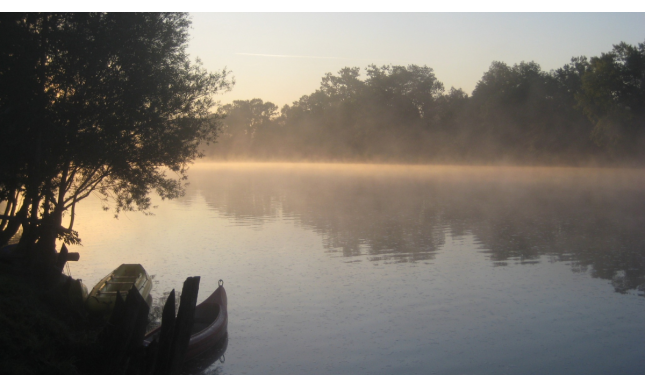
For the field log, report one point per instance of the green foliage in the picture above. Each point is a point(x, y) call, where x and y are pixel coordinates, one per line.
point(587, 111)
point(613, 95)
point(528, 114)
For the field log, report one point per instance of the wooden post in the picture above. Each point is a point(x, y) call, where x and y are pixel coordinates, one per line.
point(61, 259)
point(125, 331)
point(123, 336)
point(184, 323)
point(65, 256)
point(151, 357)
point(162, 363)
point(109, 334)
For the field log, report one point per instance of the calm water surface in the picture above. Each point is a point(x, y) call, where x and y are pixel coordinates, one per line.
point(341, 269)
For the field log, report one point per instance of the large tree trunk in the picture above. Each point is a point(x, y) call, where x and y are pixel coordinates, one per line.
point(52, 221)
point(48, 233)
point(30, 230)
point(14, 223)
point(9, 210)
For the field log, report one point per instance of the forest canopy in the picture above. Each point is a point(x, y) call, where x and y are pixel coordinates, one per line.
point(589, 111)
point(96, 102)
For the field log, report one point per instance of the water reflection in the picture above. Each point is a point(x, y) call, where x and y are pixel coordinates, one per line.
point(210, 362)
point(591, 218)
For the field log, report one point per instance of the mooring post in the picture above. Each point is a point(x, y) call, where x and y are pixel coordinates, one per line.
point(164, 347)
point(125, 331)
point(183, 323)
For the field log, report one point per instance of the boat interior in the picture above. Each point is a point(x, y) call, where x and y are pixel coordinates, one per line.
point(204, 317)
point(122, 283)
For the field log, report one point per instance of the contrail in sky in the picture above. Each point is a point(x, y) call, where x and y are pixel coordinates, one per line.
point(292, 56)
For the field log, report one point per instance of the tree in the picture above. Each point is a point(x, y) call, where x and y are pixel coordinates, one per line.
point(345, 87)
point(244, 122)
point(379, 118)
point(96, 102)
point(526, 114)
point(613, 91)
point(410, 90)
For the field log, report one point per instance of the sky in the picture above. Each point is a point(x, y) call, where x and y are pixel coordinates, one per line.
point(279, 57)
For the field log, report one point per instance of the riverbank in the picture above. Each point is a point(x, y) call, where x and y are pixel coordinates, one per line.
point(41, 331)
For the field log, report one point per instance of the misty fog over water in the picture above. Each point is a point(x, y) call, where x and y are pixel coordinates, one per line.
point(336, 268)
point(383, 222)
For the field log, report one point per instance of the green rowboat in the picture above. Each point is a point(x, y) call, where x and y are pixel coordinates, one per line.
point(103, 296)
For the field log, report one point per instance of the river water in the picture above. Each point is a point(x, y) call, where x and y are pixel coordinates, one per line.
point(350, 269)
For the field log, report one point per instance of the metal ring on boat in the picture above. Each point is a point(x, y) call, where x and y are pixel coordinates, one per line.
point(221, 283)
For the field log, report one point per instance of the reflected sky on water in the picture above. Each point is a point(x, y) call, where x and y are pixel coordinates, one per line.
point(336, 269)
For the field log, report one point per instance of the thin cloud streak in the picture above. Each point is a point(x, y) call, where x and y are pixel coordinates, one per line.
point(292, 56)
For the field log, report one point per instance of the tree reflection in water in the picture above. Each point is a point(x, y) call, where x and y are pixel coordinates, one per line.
point(591, 218)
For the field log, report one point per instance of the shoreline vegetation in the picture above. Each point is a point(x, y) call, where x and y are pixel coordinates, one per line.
point(589, 112)
point(95, 103)
point(43, 332)
point(47, 329)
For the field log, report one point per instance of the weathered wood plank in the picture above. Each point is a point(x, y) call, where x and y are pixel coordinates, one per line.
point(61, 259)
point(125, 332)
point(139, 329)
point(151, 356)
point(109, 334)
point(184, 323)
point(162, 364)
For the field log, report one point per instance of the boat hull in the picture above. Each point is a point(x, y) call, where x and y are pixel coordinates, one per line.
point(209, 326)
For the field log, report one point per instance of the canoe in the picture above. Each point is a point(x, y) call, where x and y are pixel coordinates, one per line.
point(103, 296)
point(209, 324)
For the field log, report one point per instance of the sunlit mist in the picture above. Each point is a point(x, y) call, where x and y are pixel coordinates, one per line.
point(331, 267)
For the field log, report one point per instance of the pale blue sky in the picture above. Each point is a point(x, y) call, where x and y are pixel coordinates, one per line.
point(458, 46)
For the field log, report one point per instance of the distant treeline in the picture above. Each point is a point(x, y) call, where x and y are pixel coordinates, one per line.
point(589, 111)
